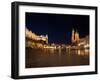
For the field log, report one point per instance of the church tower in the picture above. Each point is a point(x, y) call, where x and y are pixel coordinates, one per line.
point(77, 37)
point(73, 37)
point(46, 39)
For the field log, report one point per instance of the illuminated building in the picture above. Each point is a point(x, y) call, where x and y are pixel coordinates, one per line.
point(36, 38)
point(40, 41)
point(35, 41)
point(75, 37)
point(81, 42)
point(84, 42)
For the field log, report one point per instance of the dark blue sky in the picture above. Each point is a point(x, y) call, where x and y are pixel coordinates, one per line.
point(58, 27)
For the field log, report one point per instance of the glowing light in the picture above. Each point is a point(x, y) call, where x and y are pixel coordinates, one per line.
point(86, 46)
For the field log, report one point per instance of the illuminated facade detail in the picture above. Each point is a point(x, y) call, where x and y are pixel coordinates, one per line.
point(75, 37)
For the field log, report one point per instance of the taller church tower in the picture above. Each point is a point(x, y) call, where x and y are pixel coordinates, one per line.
point(77, 37)
point(73, 37)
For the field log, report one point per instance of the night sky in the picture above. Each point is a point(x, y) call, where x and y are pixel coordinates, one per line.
point(58, 27)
